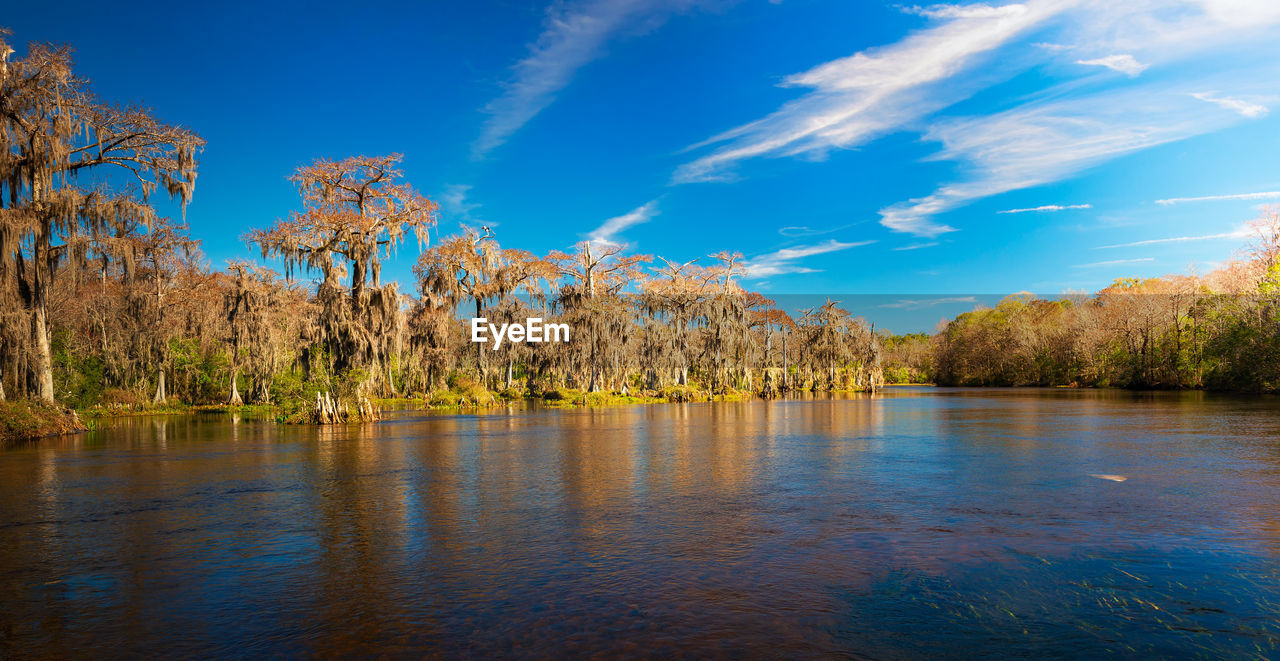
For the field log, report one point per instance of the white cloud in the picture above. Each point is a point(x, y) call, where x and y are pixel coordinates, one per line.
point(805, 230)
point(1245, 108)
point(574, 34)
point(570, 39)
point(1044, 141)
point(608, 231)
point(908, 304)
point(1267, 195)
point(1044, 136)
point(1123, 62)
point(799, 230)
point(454, 202)
point(917, 246)
point(977, 10)
point(783, 261)
point(1241, 233)
point(1114, 262)
point(859, 97)
point(1050, 207)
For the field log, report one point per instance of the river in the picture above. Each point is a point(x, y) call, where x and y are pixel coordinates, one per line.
point(924, 522)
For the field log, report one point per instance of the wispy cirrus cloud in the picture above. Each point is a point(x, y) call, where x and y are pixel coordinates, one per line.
point(608, 231)
point(784, 260)
point(975, 10)
point(804, 230)
point(1044, 141)
point(573, 35)
point(860, 97)
point(1113, 262)
point(455, 202)
point(1243, 232)
point(1265, 195)
point(919, 304)
point(1122, 62)
point(917, 246)
point(1245, 108)
point(1044, 136)
point(1049, 207)
point(799, 230)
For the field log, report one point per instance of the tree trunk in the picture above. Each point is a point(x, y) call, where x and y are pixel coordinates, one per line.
point(480, 371)
point(44, 355)
point(783, 386)
point(160, 396)
point(41, 278)
point(235, 399)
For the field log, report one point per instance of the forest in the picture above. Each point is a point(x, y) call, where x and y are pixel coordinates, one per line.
point(108, 304)
point(105, 304)
point(1217, 331)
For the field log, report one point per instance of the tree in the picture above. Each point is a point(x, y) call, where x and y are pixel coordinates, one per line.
point(471, 267)
point(355, 213)
point(54, 133)
point(161, 248)
point(677, 296)
point(259, 319)
point(593, 278)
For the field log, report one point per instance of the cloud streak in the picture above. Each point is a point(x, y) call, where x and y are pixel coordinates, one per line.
point(1045, 136)
point(784, 260)
point(1044, 141)
point(1049, 207)
point(573, 35)
point(1114, 262)
point(908, 304)
point(1245, 108)
point(608, 231)
point(917, 246)
point(454, 202)
point(976, 10)
point(860, 97)
point(1241, 233)
point(1266, 195)
point(1122, 62)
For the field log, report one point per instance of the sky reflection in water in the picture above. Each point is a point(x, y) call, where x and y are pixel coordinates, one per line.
point(925, 522)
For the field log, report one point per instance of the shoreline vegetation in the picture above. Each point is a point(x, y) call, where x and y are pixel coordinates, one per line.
point(108, 307)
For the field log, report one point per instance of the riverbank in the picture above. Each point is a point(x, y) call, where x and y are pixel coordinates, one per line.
point(27, 420)
point(24, 420)
point(472, 396)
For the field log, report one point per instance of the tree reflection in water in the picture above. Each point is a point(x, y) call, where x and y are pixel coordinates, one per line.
point(927, 522)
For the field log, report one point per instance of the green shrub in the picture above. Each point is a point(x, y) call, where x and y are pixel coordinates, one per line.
point(677, 393)
point(25, 420)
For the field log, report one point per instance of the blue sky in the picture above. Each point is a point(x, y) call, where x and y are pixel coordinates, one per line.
point(924, 153)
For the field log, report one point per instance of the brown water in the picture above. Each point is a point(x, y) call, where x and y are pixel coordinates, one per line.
point(921, 523)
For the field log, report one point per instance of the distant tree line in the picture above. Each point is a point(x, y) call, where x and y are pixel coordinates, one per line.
point(1219, 331)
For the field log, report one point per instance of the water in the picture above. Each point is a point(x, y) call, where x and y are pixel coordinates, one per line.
point(922, 523)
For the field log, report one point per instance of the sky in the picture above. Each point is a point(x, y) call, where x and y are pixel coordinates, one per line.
point(909, 160)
